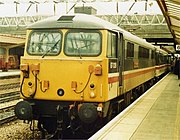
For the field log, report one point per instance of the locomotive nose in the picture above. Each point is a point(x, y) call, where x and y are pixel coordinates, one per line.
point(23, 110)
point(88, 113)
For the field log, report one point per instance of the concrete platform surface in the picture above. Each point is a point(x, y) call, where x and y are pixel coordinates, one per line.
point(154, 116)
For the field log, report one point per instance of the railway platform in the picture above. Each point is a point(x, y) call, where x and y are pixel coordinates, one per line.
point(9, 74)
point(155, 115)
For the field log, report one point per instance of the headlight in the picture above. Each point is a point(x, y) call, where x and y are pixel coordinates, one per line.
point(60, 92)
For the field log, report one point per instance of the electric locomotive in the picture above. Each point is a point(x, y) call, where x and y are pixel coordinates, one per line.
point(78, 71)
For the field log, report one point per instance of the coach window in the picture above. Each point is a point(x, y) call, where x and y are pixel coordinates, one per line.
point(130, 50)
point(161, 58)
point(112, 43)
point(44, 43)
point(152, 54)
point(140, 52)
point(146, 53)
point(143, 52)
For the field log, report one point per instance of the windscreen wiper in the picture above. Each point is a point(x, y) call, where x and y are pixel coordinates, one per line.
point(79, 52)
point(78, 48)
point(50, 49)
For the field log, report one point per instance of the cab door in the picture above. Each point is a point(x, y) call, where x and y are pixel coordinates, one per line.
point(120, 55)
point(113, 64)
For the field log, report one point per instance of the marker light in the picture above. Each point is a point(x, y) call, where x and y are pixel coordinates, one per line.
point(92, 94)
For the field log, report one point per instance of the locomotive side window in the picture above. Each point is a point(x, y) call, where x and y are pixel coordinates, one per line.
point(112, 43)
point(130, 49)
point(44, 43)
point(85, 43)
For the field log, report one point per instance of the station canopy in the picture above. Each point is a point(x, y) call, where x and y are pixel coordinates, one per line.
point(171, 12)
point(169, 8)
point(10, 41)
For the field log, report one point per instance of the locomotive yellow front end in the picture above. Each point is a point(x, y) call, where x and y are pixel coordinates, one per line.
point(68, 69)
point(64, 78)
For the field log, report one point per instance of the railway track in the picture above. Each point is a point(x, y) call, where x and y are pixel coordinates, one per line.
point(6, 97)
point(7, 114)
point(9, 96)
point(9, 86)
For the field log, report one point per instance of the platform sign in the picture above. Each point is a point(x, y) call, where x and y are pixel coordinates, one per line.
point(178, 47)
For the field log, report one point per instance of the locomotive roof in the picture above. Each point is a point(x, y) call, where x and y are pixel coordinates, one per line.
point(80, 21)
point(83, 21)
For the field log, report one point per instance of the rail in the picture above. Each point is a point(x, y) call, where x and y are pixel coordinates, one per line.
point(7, 114)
